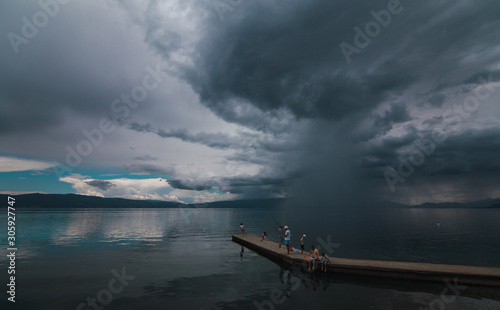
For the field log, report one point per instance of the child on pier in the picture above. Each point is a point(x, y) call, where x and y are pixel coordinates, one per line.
point(324, 261)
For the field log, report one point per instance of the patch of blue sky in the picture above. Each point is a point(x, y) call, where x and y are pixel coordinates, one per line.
point(34, 181)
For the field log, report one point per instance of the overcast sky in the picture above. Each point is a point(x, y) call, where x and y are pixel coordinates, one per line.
point(329, 102)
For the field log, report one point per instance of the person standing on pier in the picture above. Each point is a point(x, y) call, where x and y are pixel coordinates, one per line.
point(288, 239)
point(281, 236)
point(242, 230)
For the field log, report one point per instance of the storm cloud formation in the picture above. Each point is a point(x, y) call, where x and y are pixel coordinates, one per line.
point(261, 100)
point(103, 185)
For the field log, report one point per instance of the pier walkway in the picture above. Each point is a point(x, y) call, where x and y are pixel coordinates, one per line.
point(470, 275)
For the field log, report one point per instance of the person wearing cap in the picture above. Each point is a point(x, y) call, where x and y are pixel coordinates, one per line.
point(288, 238)
point(302, 243)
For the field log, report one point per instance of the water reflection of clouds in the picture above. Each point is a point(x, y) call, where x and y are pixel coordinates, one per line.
point(27, 254)
point(203, 222)
point(138, 226)
point(80, 224)
point(135, 225)
point(115, 226)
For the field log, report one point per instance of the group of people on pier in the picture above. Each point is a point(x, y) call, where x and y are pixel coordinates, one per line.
point(312, 258)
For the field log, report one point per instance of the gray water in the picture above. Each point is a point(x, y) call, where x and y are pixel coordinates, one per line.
point(184, 258)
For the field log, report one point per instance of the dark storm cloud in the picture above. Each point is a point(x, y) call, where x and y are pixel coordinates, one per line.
point(272, 66)
point(249, 187)
point(489, 75)
point(483, 77)
point(273, 60)
point(141, 128)
point(471, 151)
point(258, 182)
point(437, 99)
point(273, 55)
point(388, 149)
point(287, 55)
point(149, 168)
point(269, 182)
point(146, 158)
point(397, 113)
point(213, 140)
point(103, 185)
point(73, 67)
point(179, 184)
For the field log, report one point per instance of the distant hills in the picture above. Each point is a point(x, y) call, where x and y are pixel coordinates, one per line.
point(481, 204)
point(45, 201)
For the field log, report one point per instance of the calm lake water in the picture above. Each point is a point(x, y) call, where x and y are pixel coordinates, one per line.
point(184, 258)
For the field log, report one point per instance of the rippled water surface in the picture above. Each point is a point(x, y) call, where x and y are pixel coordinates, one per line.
point(184, 258)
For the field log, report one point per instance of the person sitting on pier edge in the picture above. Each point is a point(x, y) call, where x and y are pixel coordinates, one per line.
point(313, 256)
point(288, 239)
point(264, 236)
point(324, 261)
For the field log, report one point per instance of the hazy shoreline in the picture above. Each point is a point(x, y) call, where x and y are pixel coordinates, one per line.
point(45, 201)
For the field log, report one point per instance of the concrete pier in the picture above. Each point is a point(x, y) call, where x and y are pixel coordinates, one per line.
point(469, 275)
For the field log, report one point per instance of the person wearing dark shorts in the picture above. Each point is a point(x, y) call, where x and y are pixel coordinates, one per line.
point(281, 236)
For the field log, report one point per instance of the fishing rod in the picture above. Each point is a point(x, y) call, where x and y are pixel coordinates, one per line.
point(273, 217)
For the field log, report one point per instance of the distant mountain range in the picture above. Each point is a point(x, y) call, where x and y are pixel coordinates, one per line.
point(45, 201)
point(486, 203)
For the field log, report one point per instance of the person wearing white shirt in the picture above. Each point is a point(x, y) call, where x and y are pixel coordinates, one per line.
point(288, 238)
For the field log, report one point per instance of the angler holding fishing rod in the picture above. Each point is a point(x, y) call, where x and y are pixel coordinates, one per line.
point(280, 229)
point(282, 236)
